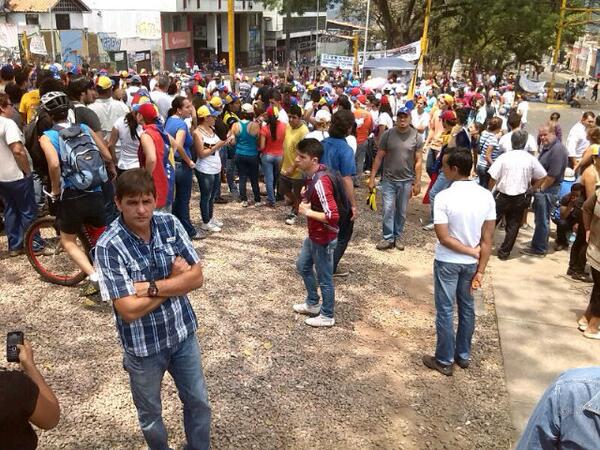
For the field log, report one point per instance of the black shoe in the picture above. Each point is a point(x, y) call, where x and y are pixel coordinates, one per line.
point(462, 363)
point(503, 257)
point(582, 277)
point(531, 252)
point(571, 272)
point(433, 364)
point(221, 200)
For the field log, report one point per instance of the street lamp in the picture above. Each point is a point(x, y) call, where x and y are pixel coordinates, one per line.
point(366, 33)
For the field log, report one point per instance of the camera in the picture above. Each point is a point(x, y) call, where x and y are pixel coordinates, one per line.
point(13, 338)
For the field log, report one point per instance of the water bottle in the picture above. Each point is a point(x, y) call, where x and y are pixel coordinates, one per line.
point(571, 238)
point(479, 302)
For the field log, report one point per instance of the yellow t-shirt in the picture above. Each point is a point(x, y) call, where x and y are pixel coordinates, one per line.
point(29, 103)
point(290, 144)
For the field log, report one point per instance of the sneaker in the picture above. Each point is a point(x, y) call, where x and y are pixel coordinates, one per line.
point(341, 274)
point(200, 234)
point(216, 222)
point(428, 227)
point(399, 245)
point(305, 308)
point(258, 204)
point(244, 204)
point(433, 364)
point(17, 252)
point(270, 205)
point(531, 252)
point(385, 245)
point(320, 321)
point(291, 219)
point(210, 227)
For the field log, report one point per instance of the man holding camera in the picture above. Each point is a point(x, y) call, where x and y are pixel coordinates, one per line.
point(147, 266)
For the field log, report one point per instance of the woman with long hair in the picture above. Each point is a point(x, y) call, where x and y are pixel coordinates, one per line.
point(125, 140)
point(246, 133)
point(176, 126)
point(272, 135)
point(208, 166)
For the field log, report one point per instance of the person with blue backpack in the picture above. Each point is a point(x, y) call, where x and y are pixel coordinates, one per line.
point(76, 159)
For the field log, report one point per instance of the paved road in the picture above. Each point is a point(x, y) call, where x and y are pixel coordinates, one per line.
point(537, 307)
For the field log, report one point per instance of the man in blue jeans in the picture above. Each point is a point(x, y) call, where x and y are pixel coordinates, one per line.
point(400, 152)
point(464, 217)
point(554, 158)
point(320, 208)
point(147, 266)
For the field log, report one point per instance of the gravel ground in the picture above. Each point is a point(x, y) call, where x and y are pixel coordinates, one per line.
point(274, 382)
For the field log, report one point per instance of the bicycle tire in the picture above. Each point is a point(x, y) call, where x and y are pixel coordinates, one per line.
point(45, 264)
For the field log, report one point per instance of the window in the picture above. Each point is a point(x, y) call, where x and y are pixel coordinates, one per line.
point(63, 21)
point(177, 23)
point(197, 4)
point(184, 4)
point(32, 19)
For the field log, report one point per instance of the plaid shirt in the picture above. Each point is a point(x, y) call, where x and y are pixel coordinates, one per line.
point(122, 259)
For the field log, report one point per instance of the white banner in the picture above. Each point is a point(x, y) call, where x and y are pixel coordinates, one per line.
point(335, 61)
point(37, 45)
point(9, 37)
point(409, 52)
point(533, 87)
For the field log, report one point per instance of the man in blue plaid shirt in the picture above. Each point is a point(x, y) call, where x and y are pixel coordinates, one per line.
point(147, 266)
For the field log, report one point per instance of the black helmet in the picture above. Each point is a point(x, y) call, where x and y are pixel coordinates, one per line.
point(55, 102)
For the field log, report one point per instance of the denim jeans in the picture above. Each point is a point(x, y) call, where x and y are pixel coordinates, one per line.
point(483, 176)
point(248, 168)
point(210, 185)
point(184, 363)
point(543, 207)
point(440, 184)
point(359, 159)
point(318, 258)
point(395, 201)
point(110, 208)
point(20, 209)
point(453, 281)
point(346, 228)
point(271, 166)
point(183, 194)
point(229, 165)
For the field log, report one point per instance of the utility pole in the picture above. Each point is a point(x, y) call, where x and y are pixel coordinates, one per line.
point(424, 47)
point(231, 39)
point(317, 40)
point(366, 32)
point(52, 34)
point(355, 53)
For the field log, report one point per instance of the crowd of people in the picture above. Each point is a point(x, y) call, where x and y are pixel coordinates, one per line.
point(121, 153)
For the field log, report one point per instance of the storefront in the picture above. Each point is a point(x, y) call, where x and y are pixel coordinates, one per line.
point(178, 49)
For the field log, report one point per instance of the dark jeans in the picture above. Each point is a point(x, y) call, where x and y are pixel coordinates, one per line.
point(544, 204)
point(578, 257)
point(484, 177)
point(183, 195)
point(229, 165)
point(110, 209)
point(346, 228)
point(359, 159)
point(20, 209)
point(209, 185)
point(594, 305)
point(248, 168)
point(512, 208)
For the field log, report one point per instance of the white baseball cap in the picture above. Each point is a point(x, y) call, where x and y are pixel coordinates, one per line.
point(323, 116)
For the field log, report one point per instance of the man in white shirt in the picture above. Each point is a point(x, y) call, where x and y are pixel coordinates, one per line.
point(160, 97)
point(577, 140)
point(522, 108)
point(420, 118)
point(513, 174)
point(135, 83)
point(106, 107)
point(16, 183)
point(514, 123)
point(464, 217)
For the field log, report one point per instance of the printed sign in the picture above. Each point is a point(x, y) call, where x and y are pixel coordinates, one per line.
point(37, 45)
point(71, 42)
point(109, 43)
point(410, 52)
point(9, 37)
point(178, 39)
point(335, 61)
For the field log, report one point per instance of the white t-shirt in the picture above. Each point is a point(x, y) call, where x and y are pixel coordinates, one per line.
point(577, 141)
point(522, 109)
point(131, 91)
point(163, 101)
point(419, 121)
point(317, 134)
point(128, 147)
point(211, 165)
point(352, 142)
point(464, 206)
point(513, 172)
point(386, 121)
point(505, 143)
point(108, 111)
point(283, 116)
point(9, 134)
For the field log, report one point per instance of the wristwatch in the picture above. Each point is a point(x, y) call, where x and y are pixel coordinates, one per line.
point(152, 289)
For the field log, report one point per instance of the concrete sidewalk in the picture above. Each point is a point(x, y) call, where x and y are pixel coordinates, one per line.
point(537, 307)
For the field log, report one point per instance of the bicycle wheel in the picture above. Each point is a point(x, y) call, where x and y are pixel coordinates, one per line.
point(48, 257)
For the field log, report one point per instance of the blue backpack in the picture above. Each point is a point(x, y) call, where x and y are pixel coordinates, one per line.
point(82, 165)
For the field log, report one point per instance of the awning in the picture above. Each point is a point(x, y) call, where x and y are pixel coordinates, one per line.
point(392, 63)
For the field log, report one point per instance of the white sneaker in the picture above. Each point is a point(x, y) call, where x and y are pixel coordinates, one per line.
point(429, 227)
point(244, 204)
point(258, 204)
point(216, 222)
point(304, 308)
point(291, 220)
point(210, 227)
point(320, 321)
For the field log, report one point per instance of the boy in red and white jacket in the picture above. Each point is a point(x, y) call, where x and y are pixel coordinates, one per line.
point(321, 211)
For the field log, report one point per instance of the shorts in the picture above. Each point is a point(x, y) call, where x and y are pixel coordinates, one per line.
point(291, 186)
point(78, 208)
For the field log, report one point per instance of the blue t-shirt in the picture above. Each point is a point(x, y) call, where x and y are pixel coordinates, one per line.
point(173, 125)
point(338, 156)
point(53, 136)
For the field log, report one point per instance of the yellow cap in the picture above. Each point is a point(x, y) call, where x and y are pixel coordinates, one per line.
point(595, 149)
point(104, 82)
point(216, 102)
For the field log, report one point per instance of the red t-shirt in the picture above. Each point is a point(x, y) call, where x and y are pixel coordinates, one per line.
point(273, 147)
point(322, 200)
point(161, 182)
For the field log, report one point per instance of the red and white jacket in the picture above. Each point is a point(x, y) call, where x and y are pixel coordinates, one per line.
point(320, 194)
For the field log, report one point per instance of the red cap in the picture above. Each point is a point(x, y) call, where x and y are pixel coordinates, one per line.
point(448, 115)
point(148, 112)
point(355, 91)
point(362, 99)
point(384, 100)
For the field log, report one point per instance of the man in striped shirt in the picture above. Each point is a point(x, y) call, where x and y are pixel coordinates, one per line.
point(147, 266)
